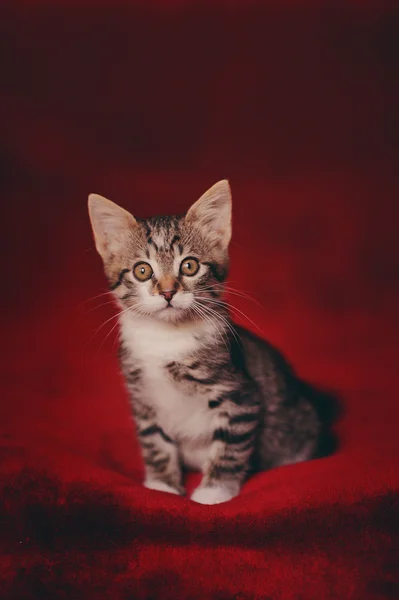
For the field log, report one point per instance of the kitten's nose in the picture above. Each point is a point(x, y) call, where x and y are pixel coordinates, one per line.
point(168, 294)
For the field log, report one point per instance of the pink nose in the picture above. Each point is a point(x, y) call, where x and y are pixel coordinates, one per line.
point(168, 294)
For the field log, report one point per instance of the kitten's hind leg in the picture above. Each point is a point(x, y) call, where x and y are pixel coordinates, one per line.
point(289, 435)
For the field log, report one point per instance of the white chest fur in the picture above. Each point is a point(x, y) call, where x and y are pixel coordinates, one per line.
point(186, 419)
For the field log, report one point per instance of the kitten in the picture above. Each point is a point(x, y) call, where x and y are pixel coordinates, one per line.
point(206, 394)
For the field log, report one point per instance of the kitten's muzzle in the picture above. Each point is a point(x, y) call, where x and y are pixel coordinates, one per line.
point(167, 287)
point(168, 294)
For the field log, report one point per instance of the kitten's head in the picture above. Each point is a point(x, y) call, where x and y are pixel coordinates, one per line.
point(170, 268)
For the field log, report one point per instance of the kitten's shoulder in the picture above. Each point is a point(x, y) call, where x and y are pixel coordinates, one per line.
point(257, 348)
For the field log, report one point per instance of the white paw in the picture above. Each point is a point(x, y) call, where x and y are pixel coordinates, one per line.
point(212, 495)
point(160, 486)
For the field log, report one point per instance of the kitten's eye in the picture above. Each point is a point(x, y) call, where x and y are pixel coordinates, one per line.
point(189, 267)
point(142, 271)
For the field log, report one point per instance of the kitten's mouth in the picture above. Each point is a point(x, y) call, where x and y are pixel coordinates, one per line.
point(170, 311)
point(169, 306)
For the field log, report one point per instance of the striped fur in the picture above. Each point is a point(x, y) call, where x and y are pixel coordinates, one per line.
point(206, 394)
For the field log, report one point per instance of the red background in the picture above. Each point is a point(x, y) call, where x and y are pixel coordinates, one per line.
point(149, 104)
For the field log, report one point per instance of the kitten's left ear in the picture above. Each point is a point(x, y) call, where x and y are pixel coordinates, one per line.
point(212, 213)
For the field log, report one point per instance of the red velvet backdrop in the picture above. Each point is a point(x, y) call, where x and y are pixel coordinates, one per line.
point(150, 104)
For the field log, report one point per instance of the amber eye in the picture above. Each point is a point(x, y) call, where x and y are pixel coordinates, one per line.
point(189, 266)
point(142, 271)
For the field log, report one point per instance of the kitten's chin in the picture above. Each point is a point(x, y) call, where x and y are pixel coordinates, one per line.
point(172, 314)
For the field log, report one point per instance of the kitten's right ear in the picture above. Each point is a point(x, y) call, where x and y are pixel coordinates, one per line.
point(111, 225)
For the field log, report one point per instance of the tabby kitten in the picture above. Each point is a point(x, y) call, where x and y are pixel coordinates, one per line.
point(206, 394)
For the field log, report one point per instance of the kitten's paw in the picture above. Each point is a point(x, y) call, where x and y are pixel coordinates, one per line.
point(161, 486)
point(212, 495)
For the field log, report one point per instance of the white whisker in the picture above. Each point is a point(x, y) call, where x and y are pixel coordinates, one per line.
point(213, 313)
point(233, 291)
point(233, 308)
point(135, 310)
point(107, 321)
point(108, 293)
point(202, 313)
point(101, 305)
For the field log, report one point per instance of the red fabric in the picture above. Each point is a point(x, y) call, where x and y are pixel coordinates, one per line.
point(150, 106)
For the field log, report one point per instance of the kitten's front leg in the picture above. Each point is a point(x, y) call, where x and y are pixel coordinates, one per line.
point(159, 452)
point(161, 459)
point(230, 453)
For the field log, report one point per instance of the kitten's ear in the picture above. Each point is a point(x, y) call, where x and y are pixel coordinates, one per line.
point(110, 223)
point(212, 213)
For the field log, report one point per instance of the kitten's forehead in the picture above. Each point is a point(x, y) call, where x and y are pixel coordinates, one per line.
point(163, 232)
